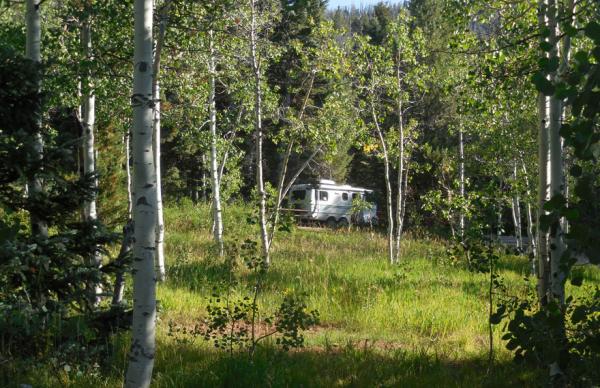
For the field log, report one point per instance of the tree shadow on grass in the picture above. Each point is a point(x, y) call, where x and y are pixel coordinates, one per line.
point(185, 365)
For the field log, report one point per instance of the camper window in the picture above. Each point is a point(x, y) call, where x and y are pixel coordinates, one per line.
point(355, 195)
point(323, 196)
point(298, 195)
point(345, 196)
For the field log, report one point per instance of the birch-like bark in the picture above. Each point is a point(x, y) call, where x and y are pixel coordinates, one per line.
point(558, 246)
point(516, 212)
point(127, 143)
point(388, 186)
point(258, 133)
point(141, 355)
point(401, 193)
point(214, 168)
point(160, 224)
point(543, 267)
point(530, 233)
point(461, 167)
point(39, 226)
point(88, 118)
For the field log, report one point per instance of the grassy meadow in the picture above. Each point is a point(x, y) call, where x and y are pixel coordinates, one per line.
point(421, 323)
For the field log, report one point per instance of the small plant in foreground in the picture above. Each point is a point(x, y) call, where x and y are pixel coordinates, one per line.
point(235, 322)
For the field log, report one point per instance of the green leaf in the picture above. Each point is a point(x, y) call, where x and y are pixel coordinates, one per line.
point(575, 171)
point(579, 314)
point(581, 57)
point(572, 214)
point(596, 53)
point(542, 84)
point(549, 64)
point(545, 46)
point(592, 31)
point(577, 279)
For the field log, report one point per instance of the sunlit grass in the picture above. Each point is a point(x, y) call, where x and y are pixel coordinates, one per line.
point(423, 322)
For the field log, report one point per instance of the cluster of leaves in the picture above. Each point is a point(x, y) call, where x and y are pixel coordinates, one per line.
point(565, 336)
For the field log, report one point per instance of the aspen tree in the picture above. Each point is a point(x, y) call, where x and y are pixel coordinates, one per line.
point(141, 354)
point(33, 52)
point(88, 119)
point(214, 167)
point(543, 194)
point(160, 224)
point(258, 130)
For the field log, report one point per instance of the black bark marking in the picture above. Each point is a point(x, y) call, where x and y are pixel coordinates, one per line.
point(142, 201)
point(143, 67)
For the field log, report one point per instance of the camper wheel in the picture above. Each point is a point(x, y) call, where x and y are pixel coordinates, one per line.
point(331, 223)
point(342, 223)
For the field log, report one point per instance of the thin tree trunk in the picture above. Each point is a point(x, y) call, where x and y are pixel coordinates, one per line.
point(461, 151)
point(516, 211)
point(214, 169)
point(88, 118)
point(530, 233)
point(160, 224)
point(543, 194)
point(126, 246)
point(388, 186)
point(126, 140)
point(203, 178)
point(401, 193)
point(258, 132)
point(141, 355)
point(39, 226)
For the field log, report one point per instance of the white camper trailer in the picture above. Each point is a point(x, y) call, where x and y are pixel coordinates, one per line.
point(331, 203)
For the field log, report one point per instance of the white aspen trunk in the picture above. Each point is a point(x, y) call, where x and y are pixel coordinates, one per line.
point(32, 51)
point(88, 119)
point(203, 178)
point(406, 172)
point(461, 151)
point(160, 224)
point(214, 168)
point(126, 141)
point(532, 239)
point(400, 198)
point(388, 186)
point(543, 267)
point(141, 355)
point(258, 132)
point(516, 212)
point(557, 246)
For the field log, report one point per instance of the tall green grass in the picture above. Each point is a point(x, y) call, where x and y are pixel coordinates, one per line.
point(420, 323)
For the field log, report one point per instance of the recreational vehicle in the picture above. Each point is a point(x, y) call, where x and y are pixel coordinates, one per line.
point(329, 202)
